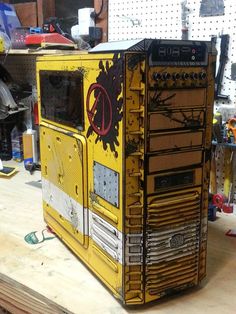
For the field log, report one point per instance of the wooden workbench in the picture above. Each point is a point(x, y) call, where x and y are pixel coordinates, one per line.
point(42, 278)
point(48, 278)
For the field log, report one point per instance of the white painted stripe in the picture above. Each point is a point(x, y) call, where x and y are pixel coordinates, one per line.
point(66, 206)
point(101, 231)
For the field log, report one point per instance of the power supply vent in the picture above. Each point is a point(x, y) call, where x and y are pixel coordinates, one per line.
point(173, 210)
point(172, 241)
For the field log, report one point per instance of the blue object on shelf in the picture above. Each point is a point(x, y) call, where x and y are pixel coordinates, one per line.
point(8, 18)
point(36, 30)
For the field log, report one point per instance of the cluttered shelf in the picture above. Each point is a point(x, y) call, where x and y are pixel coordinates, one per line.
point(20, 36)
point(20, 44)
point(40, 51)
point(226, 145)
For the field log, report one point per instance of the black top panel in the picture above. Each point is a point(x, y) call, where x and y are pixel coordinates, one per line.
point(163, 51)
point(184, 53)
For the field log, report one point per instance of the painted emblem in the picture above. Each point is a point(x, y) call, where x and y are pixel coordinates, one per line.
point(100, 114)
point(104, 104)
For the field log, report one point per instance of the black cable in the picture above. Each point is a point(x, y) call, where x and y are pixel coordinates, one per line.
point(94, 15)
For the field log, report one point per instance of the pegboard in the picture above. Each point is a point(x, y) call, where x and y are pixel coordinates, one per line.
point(144, 18)
point(22, 68)
point(203, 28)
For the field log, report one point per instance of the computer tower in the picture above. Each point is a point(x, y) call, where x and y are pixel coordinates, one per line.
point(125, 137)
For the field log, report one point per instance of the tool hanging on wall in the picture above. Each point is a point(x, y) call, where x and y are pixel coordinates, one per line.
point(231, 124)
point(184, 18)
point(224, 45)
point(217, 128)
point(228, 207)
point(228, 188)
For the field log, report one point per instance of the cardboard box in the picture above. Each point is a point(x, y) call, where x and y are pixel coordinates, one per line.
point(30, 146)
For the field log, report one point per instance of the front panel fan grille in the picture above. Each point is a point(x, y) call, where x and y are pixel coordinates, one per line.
point(172, 241)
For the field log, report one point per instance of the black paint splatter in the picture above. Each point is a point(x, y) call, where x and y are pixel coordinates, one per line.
point(188, 121)
point(111, 79)
point(157, 103)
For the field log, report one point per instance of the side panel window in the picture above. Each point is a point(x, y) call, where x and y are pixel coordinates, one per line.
point(62, 97)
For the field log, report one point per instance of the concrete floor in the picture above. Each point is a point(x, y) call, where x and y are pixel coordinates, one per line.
point(54, 272)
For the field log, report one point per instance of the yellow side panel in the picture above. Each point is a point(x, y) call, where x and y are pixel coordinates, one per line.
point(63, 167)
point(103, 106)
point(64, 171)
point(71, 160)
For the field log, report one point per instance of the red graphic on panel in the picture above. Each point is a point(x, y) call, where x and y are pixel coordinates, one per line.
point(100, 113)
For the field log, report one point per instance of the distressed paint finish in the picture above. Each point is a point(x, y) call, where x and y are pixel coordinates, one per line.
point(147, 140)
point(105, 112)
point(77, 214)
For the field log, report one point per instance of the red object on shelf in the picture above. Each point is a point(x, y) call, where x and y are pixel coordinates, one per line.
point(36, 114)
point(50, 38)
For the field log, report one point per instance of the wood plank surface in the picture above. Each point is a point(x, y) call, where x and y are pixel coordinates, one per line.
point(54, 277)
point(41, 51)
point(18, 298)
point(27, 13)
point(47, 278)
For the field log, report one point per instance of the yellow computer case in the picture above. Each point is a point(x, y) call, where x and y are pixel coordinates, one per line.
point(125, 136)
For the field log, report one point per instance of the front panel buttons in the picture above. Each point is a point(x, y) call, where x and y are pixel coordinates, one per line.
point(156, 76)
point(185, 76)
point(194, 75)
point(175, 76)
point(202, 75)
point(165, 76)
point(179, 76)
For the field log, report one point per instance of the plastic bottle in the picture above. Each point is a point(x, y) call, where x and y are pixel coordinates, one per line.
point(17, 143)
